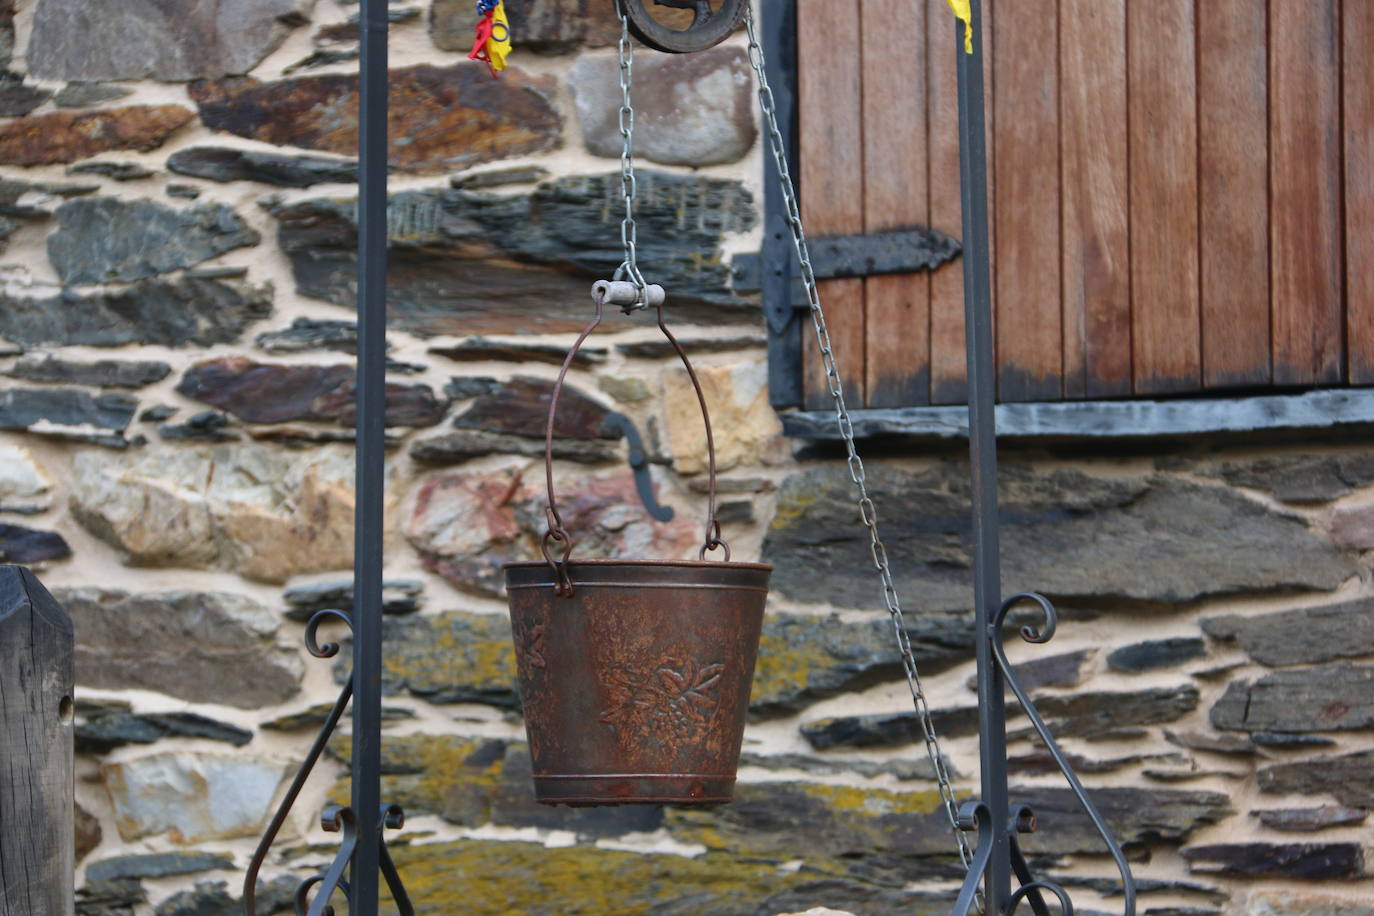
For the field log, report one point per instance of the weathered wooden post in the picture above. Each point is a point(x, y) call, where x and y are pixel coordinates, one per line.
point(37, 858)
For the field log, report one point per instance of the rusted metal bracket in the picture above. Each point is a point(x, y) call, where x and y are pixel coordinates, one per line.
point(639, 463)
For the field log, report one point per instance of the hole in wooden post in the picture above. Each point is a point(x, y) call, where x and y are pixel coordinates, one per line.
point(65, 708)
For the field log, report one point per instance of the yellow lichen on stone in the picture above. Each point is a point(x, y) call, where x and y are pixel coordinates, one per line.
point(792, 505)
point(493, 878)
point(871, 801)
point(820, 824)
point(434, 774)
point(456, 656)
point(782, 668)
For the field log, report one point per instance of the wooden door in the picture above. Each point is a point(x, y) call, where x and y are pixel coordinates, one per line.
point(1180, 194)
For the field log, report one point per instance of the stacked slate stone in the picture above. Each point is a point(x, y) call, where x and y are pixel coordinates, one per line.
point(176, 421)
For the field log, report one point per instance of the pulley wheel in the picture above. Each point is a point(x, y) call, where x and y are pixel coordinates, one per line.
point(709, 27)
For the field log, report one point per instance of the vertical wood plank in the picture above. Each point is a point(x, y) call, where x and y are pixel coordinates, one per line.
point(1305, 181)
point(1026, 211)
point(1093, 167)
point(1165, 328)
point(948, 359)
point(896, 180)
point(831, 134)
point(1358, 27)
point(1233, 188)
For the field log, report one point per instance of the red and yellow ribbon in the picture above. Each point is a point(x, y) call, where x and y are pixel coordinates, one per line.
point(493, 38)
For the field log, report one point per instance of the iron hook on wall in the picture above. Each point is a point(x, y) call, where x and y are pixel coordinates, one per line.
point(639, 463)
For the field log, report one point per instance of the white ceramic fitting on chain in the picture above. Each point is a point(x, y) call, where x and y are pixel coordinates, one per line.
point(626, 294)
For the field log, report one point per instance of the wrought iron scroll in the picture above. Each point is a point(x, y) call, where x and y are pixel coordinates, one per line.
point(328, 650)
point(340, 818)
point(1039, 635)
point(975, 815)
point(334, 819)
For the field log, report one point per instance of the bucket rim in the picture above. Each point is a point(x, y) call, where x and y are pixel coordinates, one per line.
point(677, 564)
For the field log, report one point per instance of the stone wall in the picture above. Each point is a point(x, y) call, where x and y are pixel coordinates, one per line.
point(176, 200)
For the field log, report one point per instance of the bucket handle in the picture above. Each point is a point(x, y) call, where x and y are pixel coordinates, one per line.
point(556, 533)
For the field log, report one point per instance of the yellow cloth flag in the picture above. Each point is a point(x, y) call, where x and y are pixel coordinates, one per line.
point(498, 45)
point(964, 11)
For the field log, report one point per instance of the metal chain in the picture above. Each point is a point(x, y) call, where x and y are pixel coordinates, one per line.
point(629, 235)
point(867, 510)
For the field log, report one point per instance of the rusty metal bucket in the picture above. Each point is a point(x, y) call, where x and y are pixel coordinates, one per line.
point(636, 687)
point(634, 674)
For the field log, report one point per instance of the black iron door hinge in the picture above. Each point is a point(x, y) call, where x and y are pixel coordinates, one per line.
point(897, 252)
point(773, 273)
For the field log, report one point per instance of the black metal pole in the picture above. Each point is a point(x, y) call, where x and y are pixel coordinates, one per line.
point(371, 457)
point(987, 583)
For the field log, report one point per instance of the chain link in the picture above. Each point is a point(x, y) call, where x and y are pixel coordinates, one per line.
point(867, 510)
point(629, 235)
